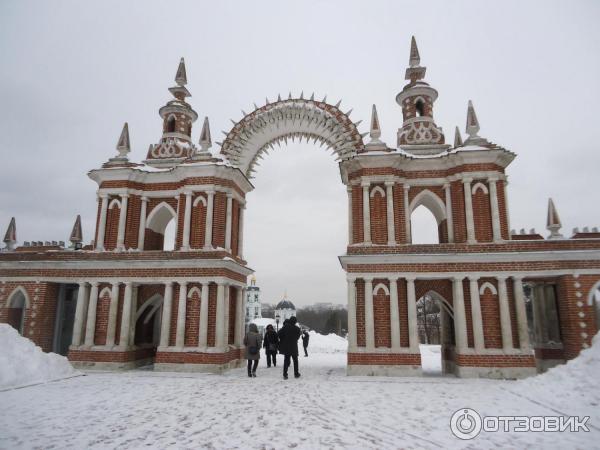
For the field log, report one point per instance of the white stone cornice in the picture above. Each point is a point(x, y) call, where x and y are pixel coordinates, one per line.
point(208, 188)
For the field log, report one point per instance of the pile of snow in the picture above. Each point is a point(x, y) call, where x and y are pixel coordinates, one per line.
point(332, 343)
point(431, 358)
point(23, 363)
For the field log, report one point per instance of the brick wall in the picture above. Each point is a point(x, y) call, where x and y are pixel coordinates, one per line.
point(212, 313)
point(381, 315)
point(399, 213)
point(102, 308)
point(482, 214)
point(360, 313)
point(192, 316)
point(232, 314)
point(219, 219)
point(403, 313)
point(357, 215)
point(112, 226)
point(198, 224)
point(490, 314)
point(378, 208)
point(235, 227)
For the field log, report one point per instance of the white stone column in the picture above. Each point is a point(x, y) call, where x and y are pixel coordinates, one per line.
point(394, 314)
point(132, 318)
point(142, 229)
point(113, 309)
point(165, 326)
point(102, 222)
point(407, 212)
point(507, 341)
point(350, 228)
point(521, 314)
point(239, 316)
point(226, 312)
point(177, 197)
point(90, 326)
point(203, 338)
point(449, 221)
point(411, 306)
point(369, 315)
point(469, 210)
point(495, 210)
point(181, 312)
point(185, 243)
point(209, 220)
point(391, 226)
point(220, 317)
point(79, 312)
point(505, 184)
point(122, 222)
point(366, 213)
point(460, 323)
point(228, 217)
point(241, 231)
point(351, 313)
point(124, 337)
point(478, 338)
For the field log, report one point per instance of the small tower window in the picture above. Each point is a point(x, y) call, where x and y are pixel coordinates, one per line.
point(420, 108)
point(171, 124)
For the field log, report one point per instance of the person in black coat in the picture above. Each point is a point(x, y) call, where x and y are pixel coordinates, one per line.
point(305, 338)
point(288, 345)
point(271, 343)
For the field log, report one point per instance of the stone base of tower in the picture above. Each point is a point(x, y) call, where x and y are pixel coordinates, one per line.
point(497, 366)
point(171, 360)
point(384, 364)
point(97, 358)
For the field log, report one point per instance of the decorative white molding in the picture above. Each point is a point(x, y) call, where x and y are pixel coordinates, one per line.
point(13, 294)
point(479, 185)
point(159, 224)
point(194, 290)
point(105, 291)
point(432, 202)
point(487, 285)
point(114, 202)
point(377, 189)
point(381, 286)
point(199, 199)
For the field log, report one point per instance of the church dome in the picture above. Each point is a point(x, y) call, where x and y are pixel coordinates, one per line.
point(285, 304)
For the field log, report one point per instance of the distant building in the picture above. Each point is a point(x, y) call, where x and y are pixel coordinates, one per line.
point(284, 309)
point(253, 308)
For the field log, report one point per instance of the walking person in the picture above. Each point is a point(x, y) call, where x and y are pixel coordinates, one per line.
point(288, 345)
point(271, 343)
point(305, 338)
point(252, 341)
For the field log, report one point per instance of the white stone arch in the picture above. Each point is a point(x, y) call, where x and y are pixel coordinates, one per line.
point(479, 185)
point(193, 291)
point(594, 292)
point(114, 202)
point(432, 202)
point(418, 99)
point(381, 286)
point(18, 294)
point(199, 199)
point(299, 118)
point(104, 292)
point(160, 216)
point(171, 119)
point(488, 285)
point(154, 302)
point(377, 189)
point(445, 304)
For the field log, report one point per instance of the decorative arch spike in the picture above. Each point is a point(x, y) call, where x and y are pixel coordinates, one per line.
point(458, 142)
point(180, 76)
point(290, 95)
point(266, 101)
point(205, 139)
point(123, 145)
point(302, 95)
point(244, 114)
point(312, 96)
point(10, 237)
point(337, 105)
point(76, 237)
point(472, 122)
point(324, 99)
point(349, 112)
point(255, 107)
point(414, 58)
point(278, 97)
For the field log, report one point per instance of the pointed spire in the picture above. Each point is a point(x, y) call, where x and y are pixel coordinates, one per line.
point(76, 234)
point(553, 223)
point(472, 123)
point(205, 140)
point(10, 238)
point(123, 146)
point(375, 132)
point(414, 72)
point(180, 76)
point(458, 142)
point(415, 58)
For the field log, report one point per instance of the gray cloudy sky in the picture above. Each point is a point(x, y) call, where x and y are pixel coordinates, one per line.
point(73, 72)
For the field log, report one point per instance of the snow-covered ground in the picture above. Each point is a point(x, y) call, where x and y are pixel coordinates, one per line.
point(322, 409)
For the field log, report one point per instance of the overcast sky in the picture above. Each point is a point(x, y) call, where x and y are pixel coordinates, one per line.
point(72, 72)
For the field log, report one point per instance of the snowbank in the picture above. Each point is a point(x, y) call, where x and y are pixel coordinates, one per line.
point(332, 343)
point(23, 363)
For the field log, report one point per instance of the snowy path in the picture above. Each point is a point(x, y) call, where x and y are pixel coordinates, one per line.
point(323, 409)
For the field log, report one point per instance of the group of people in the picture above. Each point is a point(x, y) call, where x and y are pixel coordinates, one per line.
point(284, 341)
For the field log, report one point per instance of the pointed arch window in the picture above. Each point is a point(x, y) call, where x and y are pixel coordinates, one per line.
point(420, 108)
point(171, 124)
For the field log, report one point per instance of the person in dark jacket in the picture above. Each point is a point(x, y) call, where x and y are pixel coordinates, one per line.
point(305, 338)
point(252, 341)
point(288, 345)
point(270, 343)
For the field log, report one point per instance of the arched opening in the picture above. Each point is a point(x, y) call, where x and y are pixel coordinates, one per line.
point(16, 307)
point(147, 323)
point(435, 325)
point(420, 108)
point(161, 228)
point(170, 125)
point(594, 301)
point(428, 219)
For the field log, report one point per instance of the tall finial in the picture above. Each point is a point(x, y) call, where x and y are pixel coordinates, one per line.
point(10, 238)
point(205, 140)
point(472, 122)
point(123, 146)
point(553, 221)
point(458, 142)
point(375, 131)
point(414, 72)
point(76, 237)
point(415, 59)
point(180, 76)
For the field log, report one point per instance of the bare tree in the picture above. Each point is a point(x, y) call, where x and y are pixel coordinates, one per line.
point(428, 318)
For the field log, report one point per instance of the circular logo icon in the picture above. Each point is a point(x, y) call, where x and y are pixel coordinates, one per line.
point(465, 424)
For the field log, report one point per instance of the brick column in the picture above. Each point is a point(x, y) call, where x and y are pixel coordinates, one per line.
point(122, 223)
point(228, 216)
point(507, 341)
point(394, 314)
point(449, 221)
point(521, 314)
point(469, 211)
point(181, 311)
point(495, 211)
point(350, 236)
point(203, 338)
point(209, 220)
point(165, 326)
point(102, 222)
point(132, 318)
point(460, 325)
point(90, 326)
point(241, 231)
point(79, 313)
point(478, 338)
point(505, 184)
point(185, 243)
point(220, 317)
point(111, 328)
point(407, 214)
point(142, 229)
point(411, 306)
point(369, 315)
point(366, 213)
point(391, 227)
point(351, 313)
point(226, 313)
point(126, 315)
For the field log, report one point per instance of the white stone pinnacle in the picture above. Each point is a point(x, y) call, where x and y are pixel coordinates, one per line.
point(472, 123)
point(10, 238)
point(553, 223)
point(124, 146)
